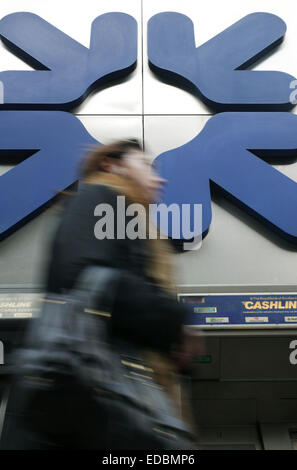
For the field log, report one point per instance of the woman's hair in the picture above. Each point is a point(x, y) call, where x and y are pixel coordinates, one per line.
point(93, 160)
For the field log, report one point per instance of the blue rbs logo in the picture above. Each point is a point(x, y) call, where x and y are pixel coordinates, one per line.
point(232, 152)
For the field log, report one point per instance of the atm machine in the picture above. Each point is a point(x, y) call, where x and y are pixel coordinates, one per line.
point(244, 387)
point(17, 308)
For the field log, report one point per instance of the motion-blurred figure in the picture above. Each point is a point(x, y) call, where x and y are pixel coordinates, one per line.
point(145, 311)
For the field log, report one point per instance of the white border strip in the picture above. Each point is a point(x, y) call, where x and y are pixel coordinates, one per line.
point(1, 92)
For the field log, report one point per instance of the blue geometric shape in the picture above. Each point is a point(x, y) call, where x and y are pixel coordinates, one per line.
point(223, 154)
point(214, 71)
point(59, 141)
point(69, 71)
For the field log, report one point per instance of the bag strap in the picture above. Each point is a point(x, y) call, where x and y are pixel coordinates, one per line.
point(96, 285)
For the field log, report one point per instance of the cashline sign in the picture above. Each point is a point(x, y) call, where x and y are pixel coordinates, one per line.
point(238, 311)
point(232, 152)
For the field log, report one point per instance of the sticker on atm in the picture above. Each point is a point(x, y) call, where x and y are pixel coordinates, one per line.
point(205, 309)
point(217, 320)
point(256, 319)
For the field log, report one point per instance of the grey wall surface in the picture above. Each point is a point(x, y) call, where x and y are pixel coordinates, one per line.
point(238, 250)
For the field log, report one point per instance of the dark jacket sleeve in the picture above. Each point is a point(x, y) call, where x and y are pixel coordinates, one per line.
point(143, 313)
point(74, 245)
point(147, 315)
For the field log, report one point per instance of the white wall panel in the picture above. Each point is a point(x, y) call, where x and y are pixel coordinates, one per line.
point(108, 128)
